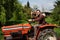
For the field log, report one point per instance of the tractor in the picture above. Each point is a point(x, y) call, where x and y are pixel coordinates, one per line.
point(29, 32)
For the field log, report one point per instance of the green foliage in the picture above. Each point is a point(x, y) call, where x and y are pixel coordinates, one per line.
point(12, 10)
point(56, 13)
point(28, 4)
point(2, 15)
point(48, 19)
point(1, 36)
point(57, 30)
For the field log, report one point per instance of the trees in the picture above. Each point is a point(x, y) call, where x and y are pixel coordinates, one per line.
point(56, 13)
point(12, 7)
point(28, 4)
point(27, 10)
point(12, 10)
point(9, 11)
point(2, 13)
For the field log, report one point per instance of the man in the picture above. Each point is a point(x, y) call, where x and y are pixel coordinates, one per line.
point(38, 16)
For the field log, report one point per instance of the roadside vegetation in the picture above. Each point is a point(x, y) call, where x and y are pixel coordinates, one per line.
point(57, 30)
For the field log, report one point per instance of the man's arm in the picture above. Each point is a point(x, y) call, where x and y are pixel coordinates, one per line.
point(39, 18)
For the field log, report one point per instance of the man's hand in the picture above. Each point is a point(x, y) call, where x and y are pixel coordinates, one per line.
point(30, 20)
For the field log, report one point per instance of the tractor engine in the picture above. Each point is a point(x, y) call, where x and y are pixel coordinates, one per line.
point(17, 31)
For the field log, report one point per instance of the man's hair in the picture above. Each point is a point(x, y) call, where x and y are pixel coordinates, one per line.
point(38, 10)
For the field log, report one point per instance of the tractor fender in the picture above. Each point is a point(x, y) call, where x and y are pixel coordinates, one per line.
point(46, 26)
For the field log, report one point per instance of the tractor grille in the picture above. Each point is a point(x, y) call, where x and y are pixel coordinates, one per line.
point(16, 34)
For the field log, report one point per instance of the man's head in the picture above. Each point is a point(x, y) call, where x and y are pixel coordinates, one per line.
point(35, 13)
point(38, 11)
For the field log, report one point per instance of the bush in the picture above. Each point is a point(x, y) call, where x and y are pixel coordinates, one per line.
point(57, 30)
point(15, 22)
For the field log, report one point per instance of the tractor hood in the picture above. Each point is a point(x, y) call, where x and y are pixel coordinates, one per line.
point(24, 28)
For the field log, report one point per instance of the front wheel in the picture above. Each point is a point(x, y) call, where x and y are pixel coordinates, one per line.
point(47, 34)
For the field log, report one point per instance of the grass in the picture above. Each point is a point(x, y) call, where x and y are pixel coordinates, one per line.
point(48, 19)
point(1, 36)
point(57, 30)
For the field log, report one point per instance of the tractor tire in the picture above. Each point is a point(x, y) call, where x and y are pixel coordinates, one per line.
point(47, 34)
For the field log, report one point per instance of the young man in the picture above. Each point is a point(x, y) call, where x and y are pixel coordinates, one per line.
point(38, 16)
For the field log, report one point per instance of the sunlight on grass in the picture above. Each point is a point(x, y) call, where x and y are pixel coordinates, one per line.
point(57, 30)
point(48, 20)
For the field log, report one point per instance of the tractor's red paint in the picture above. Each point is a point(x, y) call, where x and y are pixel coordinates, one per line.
point(26, 30)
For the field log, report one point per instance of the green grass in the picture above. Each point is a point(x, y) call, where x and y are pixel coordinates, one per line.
point(57, 30)
point(48, 20)
point(1, 36)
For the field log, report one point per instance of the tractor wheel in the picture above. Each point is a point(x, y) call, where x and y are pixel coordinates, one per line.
point(47, 34)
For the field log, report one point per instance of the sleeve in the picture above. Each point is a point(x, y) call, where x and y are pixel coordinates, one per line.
point(39, 18)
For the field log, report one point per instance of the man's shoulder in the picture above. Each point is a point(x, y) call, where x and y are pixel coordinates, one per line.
point(44, 14)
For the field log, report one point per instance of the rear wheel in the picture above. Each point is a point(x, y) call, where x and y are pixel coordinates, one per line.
point(47, 34)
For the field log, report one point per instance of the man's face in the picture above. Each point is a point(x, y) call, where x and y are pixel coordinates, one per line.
point(38, 12)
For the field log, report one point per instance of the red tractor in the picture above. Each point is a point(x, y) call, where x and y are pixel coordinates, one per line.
point(28, 32)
